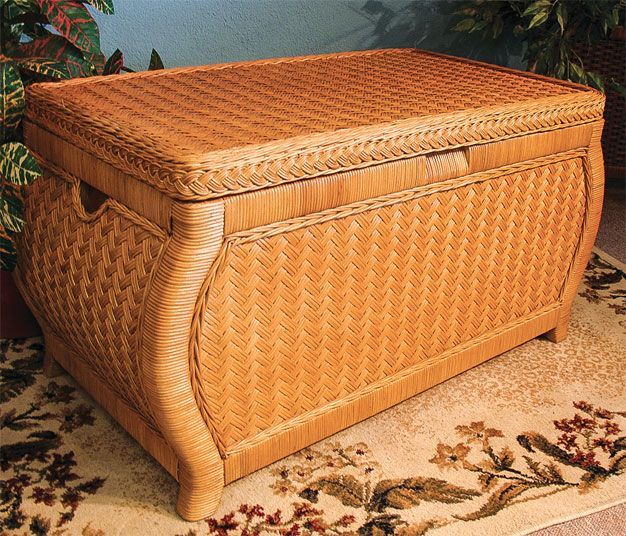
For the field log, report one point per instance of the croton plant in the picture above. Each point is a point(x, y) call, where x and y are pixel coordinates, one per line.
point(41, 40)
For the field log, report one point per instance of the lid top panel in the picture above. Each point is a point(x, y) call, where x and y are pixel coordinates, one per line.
point(199, 110)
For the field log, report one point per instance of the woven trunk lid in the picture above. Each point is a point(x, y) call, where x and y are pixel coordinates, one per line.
point(204, 132)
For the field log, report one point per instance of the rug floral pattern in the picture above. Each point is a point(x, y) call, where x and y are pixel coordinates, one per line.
point(65, 465)
point(590, 441)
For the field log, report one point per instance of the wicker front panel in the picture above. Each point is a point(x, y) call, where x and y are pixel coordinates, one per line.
point(303, 313)
point(87, 275)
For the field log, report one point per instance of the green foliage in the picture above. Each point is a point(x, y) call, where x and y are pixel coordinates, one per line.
point(551, 29)
point(155, 61)
point(40, 41)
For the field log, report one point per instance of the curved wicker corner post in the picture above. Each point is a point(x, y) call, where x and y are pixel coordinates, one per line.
point(594, 178)
point(196, 238)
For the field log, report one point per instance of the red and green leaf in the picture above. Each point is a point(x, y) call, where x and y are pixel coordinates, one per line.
point(114, 64)
point(11, 98)
point(74, 22)
point(17, 164)
point(58, 49)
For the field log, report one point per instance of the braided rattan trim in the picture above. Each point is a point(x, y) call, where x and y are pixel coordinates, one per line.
point(239, 170)
point(295, 224)
point(397, 197)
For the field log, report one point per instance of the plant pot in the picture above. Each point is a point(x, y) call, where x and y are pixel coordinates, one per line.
point(16, 320)
point(607, 58)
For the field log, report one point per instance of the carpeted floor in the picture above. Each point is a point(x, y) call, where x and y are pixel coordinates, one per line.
point(525, 441)
point(612, 233)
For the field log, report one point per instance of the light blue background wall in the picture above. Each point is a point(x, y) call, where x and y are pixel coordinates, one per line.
point(192, 32)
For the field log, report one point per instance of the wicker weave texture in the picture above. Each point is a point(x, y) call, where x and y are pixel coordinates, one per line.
point(308, 311)
point(204, 132)
point(88, 274)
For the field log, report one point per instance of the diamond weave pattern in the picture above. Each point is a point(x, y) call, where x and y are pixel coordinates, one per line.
point(90, 279)
point(201, 110)
point(306, 317)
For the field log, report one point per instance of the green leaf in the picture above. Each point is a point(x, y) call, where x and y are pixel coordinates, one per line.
point(561, 16)
point(155, 61)
point(114, 64)
point(17, 164)
point(8, 255)
point(596, 80)
point(17, 8)
point(104, 6)
point(56, 48)
point(407, 493)
point(536, 7)
point(74, 22)
point(539, 19)
point(464, 26)
point(579, 73)
point(11, 99)
point(44, 67)
point(498, 26)
point(11, 212)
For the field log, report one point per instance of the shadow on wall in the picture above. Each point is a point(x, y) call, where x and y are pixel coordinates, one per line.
point(426, 24)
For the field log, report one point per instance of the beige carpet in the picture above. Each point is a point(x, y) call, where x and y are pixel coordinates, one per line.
point(528, 440)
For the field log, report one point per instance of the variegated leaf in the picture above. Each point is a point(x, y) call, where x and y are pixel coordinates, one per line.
point(16, 8)
point(8, 256)
point(17, 164)
point(11, 211)
point(74, 22)
point(114, 64)
point(104, 6)
point(56, 48)
point(11, 99)
point(44, 67)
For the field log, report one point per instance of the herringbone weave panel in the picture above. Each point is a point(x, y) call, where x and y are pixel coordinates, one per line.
point(91, 275)
point(306, 312)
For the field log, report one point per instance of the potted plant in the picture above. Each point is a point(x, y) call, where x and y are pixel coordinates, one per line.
point(40, 40)
point(577, 40)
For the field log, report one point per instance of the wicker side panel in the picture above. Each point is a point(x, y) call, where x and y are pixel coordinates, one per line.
point(305, 312)
point(87, 276)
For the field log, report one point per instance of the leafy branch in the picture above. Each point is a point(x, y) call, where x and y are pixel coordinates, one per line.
point(554, 31)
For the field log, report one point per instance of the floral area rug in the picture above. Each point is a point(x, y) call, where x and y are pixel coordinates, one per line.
point(528, 439)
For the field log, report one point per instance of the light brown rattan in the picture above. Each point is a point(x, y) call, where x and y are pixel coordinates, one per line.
point(228, 312)
point(237, 127)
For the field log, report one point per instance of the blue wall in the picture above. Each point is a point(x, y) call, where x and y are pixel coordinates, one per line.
point(193, 32)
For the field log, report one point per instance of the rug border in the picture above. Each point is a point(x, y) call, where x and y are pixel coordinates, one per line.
point(573, 517)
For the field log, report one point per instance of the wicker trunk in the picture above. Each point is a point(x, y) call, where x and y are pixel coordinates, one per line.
point(239, 260)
